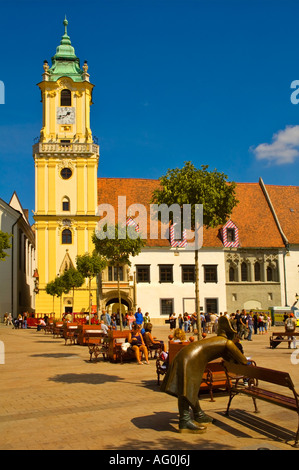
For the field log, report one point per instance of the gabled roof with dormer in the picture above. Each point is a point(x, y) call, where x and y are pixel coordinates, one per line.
point(252, 216)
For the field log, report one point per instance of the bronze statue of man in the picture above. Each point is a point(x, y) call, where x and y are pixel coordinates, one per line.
point(184, 376)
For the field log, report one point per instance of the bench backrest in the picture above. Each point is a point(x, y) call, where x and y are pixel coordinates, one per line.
point(260, 373)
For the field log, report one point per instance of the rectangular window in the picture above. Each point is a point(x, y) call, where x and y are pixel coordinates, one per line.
point(230, 235)
point(143, 273)
point(212, 305)
point(188, 273)
point(112, 273)
point(165, 273)
point(210, 273)
point(166, 307)
point(65, 206)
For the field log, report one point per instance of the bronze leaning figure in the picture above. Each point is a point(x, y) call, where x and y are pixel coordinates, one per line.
point(184, 376)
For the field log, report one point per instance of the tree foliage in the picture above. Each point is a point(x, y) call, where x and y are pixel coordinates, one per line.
point(4, 244)
point(190, 185)
point(90, 265)
point(119, 244)
point(73, 278)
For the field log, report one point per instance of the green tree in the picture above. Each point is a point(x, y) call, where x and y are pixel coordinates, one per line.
point(190, 185)
point(57, 288)
point(73, 279)
point(4, 244)
point(119, 244)
point(90, 266)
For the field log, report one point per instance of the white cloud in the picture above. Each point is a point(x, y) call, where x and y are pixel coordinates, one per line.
point(283, 149)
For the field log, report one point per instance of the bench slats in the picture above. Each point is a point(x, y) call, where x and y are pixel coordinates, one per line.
point(250, 386)
point(268, 395)
point(261, 373)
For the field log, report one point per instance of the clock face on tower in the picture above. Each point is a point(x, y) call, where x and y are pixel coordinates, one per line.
point(65, 115)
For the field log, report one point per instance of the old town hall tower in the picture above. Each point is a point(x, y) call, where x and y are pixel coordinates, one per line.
point(66, 162)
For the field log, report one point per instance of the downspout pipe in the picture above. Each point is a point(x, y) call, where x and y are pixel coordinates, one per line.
point(12, 264)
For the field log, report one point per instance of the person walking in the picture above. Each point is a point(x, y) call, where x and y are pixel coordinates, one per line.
point(249, 325)
point(131, 319)
point(172, 321)
point(290, 327)
point(139, 317)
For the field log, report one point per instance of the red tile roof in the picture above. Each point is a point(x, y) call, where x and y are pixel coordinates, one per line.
point(253, 217)
point(285, 200)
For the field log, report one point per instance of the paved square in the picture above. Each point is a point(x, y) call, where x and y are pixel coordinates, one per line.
point(52, 397)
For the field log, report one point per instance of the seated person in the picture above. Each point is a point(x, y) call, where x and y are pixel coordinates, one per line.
point(137, 343)
point(104, 327)
point(179, 336)
point(150, 340)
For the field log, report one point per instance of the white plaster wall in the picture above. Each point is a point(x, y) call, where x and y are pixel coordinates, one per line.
point(292, 274)
point(6, 222)
point(149, 295)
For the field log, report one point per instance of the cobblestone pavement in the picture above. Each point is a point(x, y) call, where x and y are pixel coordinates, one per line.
point(52, 397)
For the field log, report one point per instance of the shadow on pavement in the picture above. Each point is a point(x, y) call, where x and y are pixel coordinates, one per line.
point(268, 429)
point(93, 379)
point(54, 355)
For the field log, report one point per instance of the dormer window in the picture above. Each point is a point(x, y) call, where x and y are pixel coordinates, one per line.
point(230, 235)
point(65, 98)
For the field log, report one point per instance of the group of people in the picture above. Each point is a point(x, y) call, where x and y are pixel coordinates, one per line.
point(245, 323)
point(19, 322)
point(188, 322)
point(113, 321)
point(141, 341)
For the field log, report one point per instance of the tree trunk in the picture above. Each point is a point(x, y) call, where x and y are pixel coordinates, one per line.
point(197, 302)
point(73, 303)
point(89, 308)
point(100, 291)
point(119, 299)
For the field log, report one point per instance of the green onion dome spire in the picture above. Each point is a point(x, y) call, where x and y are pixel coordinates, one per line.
point(65, 63)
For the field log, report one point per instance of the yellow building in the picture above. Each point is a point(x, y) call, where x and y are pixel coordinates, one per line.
point(66, 162)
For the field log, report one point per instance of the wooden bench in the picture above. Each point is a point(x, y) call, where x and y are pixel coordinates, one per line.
point(281, 337)
point(96, 349)
point(245, 379)
point(70, 332)
point(116, 339)
point(89, 334)
point(214, 377)
point(58, 330)
point(155, 349)
point(49, 328)
point(173, 348)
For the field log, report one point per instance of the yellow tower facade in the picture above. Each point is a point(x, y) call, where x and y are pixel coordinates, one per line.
point(66, 163)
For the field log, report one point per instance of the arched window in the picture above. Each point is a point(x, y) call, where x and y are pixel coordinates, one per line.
point(244, 271)
point(65, 98)
point(257, 271)
point(269, 274)
point(66, 238)
point(66, 204)
point(231, 274)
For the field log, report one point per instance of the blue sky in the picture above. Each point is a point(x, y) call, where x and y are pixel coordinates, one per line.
point(175, 80)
